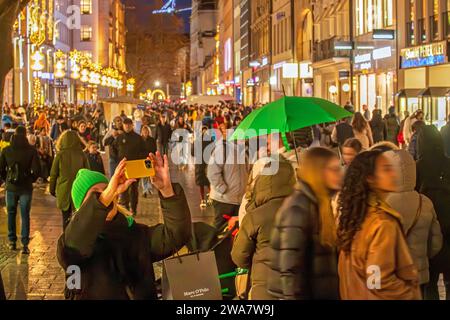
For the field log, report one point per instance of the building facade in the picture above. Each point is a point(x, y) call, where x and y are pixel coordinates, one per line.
point(203, 43)
point(424, 67)
point(260, 57)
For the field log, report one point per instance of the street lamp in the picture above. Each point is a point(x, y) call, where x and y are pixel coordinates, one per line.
point(157, 84)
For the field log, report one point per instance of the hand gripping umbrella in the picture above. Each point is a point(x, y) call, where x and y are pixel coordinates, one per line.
point(288, 114)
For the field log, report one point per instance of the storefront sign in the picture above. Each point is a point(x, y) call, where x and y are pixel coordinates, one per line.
point(426, 55)
point(250, 83)
point(306, 70)
point(382, 53)
point(363, 58)
point(344, 74)
point(290, 70)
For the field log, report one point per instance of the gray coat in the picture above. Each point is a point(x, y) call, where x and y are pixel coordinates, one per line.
point(227, 172)
point(424, 236)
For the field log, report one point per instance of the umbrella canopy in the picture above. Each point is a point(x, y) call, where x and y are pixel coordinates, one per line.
point(289, 114)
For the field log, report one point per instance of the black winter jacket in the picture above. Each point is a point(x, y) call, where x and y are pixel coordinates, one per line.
point(115, 259)
point(163, 133)
point(21, 152)
point(131, 146)
point(301, 268)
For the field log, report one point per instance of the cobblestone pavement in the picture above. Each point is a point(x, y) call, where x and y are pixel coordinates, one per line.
point(39, 276)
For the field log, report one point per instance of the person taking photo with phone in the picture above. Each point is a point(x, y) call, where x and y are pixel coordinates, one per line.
point(114, 253)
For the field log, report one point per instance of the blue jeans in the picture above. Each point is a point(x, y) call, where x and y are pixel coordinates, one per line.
point(112, 166)
point(13, 199)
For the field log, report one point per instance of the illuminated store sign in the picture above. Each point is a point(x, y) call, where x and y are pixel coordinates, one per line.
point(426, 55)
point(365, 61)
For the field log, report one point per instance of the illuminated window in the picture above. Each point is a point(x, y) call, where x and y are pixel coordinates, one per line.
point(86, 6)
point(388, 10)
point(359, 17)
point(86, 33)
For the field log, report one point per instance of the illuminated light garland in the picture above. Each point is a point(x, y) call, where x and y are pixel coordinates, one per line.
point(38, 61)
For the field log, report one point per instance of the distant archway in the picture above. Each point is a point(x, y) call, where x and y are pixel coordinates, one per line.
point(159, 94)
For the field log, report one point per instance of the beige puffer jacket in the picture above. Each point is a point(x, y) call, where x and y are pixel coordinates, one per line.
point(424, 236)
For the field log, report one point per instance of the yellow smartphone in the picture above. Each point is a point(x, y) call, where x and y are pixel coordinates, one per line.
point(137, 169)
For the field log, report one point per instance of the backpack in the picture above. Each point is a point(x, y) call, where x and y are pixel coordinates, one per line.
point(14, 175)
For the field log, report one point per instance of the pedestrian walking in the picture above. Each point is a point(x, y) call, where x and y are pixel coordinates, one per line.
point(412, 147)
point(419, 220)
point(41, 122)
point(44, 146)
point(350, 149)
point(251, 247)
point(94, 157)
point(342, 132)
point(377, 126)
point(58, 128)
point(130, 146)
point(303, 264)
point(116, 254)
point(392, 126)
point(370, 235)
point(108, 141)
point(366, 112)
point(19, 168)
point(227, 172)
point(362, 131)
point(149, 147)
point(408, 123)
point(69, 159)
point(433, 180)
point(201, 160)
point(163, 134)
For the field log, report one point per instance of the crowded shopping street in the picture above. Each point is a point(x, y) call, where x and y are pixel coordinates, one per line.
point(224, 157)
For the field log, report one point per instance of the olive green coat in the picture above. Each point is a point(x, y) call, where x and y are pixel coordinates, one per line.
point(69, 159)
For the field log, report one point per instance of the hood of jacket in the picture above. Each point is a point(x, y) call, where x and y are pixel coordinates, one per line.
point(269, 187)
point(405, 167)
point(70, 140)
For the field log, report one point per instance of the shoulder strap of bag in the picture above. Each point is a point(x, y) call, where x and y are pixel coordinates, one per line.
point(416, 218)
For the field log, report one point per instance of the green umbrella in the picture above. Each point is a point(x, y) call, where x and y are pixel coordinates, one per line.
point(288, 114)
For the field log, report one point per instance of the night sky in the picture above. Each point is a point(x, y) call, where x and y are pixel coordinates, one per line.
point(144, 8)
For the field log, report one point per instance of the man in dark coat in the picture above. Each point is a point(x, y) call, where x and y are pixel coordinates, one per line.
point(130, 145)
point(19, 167)
point(342, 132)
point(59, 127)
point(114, 253)
point(163, 133)
point(433, 180)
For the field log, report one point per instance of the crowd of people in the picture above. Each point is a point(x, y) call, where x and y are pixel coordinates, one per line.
point(358, 209)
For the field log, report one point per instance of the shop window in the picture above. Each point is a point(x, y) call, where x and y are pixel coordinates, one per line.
point(388, 12)
point(86, 33)
point(86, 6)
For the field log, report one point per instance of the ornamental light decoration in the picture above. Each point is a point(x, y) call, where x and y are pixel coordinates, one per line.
point(38, 61)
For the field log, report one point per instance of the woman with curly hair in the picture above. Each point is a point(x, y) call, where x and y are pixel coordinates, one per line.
point(303, 261)
point(362, 130)
point(374, 260)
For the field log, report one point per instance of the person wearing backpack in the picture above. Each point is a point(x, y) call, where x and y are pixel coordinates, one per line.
point(419, 220)
point(19, 167)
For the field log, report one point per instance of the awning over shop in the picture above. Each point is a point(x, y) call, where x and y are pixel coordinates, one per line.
point(409, 93)
point(434, 92)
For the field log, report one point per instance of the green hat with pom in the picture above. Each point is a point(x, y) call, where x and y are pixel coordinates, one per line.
point(84, 181)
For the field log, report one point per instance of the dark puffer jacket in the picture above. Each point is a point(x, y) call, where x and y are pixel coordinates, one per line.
point(301, 268)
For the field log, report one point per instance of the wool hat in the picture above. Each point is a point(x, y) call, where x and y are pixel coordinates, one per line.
point(85, 180)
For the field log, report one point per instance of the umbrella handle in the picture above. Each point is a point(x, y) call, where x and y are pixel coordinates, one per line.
point(285, 141)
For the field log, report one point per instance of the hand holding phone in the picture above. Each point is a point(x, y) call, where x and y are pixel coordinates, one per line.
point(139, 169)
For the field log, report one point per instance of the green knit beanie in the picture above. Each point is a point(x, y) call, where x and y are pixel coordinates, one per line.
point(85, 180)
